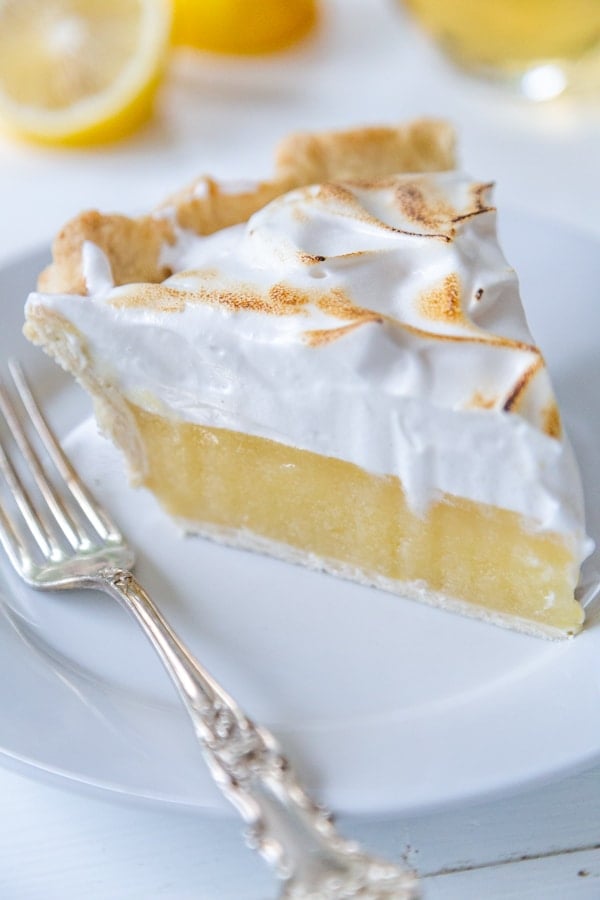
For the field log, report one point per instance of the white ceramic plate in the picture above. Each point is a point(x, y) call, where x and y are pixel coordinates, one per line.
point(384, 705)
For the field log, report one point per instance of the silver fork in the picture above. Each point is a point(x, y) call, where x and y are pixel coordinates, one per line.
point(68, 541)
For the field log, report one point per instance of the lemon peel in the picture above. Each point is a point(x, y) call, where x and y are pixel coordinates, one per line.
point(242, 26)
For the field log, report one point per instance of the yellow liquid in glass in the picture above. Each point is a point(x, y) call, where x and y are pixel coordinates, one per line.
point(506, 33)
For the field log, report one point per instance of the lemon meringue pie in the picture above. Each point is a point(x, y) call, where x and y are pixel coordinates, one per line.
point(334, 368)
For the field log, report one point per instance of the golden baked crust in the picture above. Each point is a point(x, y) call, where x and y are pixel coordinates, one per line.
point(133, 245)
point(425, 145)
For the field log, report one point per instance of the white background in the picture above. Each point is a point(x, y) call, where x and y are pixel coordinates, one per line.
point(366, 64)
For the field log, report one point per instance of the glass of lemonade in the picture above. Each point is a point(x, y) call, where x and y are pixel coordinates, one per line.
point(541, 47)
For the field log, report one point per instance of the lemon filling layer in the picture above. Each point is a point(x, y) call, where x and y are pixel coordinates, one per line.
point(338, 512)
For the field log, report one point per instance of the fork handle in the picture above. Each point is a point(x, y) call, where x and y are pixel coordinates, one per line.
point(291, 832)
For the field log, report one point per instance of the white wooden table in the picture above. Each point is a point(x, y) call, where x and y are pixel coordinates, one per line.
point(56, 845)
point(367, 64)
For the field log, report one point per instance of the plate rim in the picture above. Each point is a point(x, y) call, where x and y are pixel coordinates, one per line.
point(502, 787)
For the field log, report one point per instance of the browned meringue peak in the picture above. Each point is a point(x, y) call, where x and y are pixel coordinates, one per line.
point(133, 245)
point(358, 258)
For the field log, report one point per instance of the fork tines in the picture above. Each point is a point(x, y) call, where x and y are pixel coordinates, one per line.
point(63, 518)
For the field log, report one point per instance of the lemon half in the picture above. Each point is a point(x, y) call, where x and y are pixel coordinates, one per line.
point(80, 71)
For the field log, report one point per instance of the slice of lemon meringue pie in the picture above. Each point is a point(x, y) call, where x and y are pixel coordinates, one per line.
point(333, 367)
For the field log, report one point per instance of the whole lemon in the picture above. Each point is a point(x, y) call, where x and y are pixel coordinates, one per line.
point(242, 26)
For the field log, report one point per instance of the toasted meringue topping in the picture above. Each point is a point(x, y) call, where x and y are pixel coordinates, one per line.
point(376, 322)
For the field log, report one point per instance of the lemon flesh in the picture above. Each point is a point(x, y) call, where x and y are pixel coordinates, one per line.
point(79, 71)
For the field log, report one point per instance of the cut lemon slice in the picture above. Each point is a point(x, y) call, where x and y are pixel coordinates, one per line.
point(80, 71)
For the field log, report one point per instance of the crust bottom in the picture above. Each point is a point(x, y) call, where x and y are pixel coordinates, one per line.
point(411, 590)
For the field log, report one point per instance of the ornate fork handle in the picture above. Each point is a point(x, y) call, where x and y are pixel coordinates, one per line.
point(291, 832)
point(289, 829)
